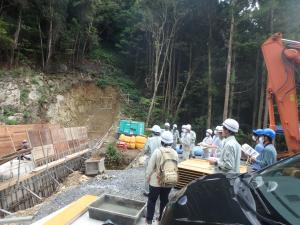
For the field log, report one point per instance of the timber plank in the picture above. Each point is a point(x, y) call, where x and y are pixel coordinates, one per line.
point(73, 211)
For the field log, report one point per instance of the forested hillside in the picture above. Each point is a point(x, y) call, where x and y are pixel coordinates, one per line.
point(194, 61)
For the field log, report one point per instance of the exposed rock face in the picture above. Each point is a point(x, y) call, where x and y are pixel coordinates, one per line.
point(9, 94)
point(69, 101)
point(34, 95)
point(86, 104)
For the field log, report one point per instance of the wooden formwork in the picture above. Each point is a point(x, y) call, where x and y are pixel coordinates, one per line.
point(56, 151)
point(192, 169)
point(48, 142)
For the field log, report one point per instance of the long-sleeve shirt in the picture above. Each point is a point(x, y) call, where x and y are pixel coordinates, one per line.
point(267, 157)
point(175, 133)
point(155, 163)
point(230, 156)
point(186, 139)
point(152, 144)
point(193, 137)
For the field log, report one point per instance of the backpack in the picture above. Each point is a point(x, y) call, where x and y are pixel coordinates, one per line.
point(167, 174)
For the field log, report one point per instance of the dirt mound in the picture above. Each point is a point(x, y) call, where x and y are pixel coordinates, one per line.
point(86, 104)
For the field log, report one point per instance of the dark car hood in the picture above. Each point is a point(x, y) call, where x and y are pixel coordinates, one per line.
point(213, 199)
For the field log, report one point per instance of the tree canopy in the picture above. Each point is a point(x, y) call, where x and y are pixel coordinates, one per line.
point(180, 53)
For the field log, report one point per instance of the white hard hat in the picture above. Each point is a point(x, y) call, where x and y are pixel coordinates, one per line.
point(167, 124)
point(156, 129)
point(219, 128)
point(209, 131)
point(188, 126)
point(167, 137)
point(175, 125)
point(231, 125)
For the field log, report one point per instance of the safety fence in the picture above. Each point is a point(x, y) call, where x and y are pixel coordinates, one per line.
point(47, 142)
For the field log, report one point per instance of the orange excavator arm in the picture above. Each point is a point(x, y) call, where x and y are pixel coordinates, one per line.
point(280, 58)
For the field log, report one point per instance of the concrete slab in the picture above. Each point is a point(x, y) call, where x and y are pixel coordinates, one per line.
point(83, 219)
point(10, 169)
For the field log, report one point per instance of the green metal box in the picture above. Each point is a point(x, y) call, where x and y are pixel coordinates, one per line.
point(131, 127)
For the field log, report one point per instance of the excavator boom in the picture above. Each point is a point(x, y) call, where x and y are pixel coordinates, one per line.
point(281, 56)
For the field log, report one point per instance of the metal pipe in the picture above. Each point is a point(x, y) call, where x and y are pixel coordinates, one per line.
point(31, 192)
point(290, 41)
point(16, 220)
point(5, 211)
point(69, 169)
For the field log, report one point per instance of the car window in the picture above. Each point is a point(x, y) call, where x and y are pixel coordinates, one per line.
point(280, 185)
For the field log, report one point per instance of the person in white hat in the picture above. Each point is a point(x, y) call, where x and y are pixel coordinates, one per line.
point(186, 140)
point(229, 162)
point(206, 143)
point(217, 142)
point(158, 158)
point(152, 143)
point(175, 133)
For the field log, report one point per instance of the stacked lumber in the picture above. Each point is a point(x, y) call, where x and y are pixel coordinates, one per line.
point(192, 169)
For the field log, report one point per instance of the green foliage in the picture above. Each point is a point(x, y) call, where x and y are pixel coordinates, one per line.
point(113, 155)
point(9, 111)
point(34, 81)
point(5, 39)
point(104, 55)
point(24, 95)
point(42, 100)
point(243, 137)
point(11, 122)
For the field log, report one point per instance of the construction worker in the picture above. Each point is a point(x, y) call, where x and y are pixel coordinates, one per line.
point(166, 127)
point(216, 142)
point(152, 143)
point(259, 140)
point(186, 141)
point(268, 155)
point(206, 143)
point(24, 145)
point(152, 174)
point(193, 135)
point(176, 137)
point(231, 150)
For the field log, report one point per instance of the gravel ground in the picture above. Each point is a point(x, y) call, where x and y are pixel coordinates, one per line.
point(127, 183)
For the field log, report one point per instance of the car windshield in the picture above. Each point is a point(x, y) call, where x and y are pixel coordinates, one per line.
point(280, 185)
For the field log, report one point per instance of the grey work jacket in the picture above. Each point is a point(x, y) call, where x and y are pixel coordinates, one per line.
point(152, 144)
point(229, 161)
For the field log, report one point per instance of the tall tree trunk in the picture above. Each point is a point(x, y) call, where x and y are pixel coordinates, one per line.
point(50, 35)
point(74, 49)
point(261, 99)
point(209, 77)
point(171, 89)
point(168, 79)
point(232, 89)
point(157, 77)
point(255, 100)
point(176, 84)
point(228, 72)
point(87, 39)
point(162, 47)
point(16, 38)
point(190, 73)
point(41, 43)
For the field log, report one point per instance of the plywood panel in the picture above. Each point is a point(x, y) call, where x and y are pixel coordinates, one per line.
point(6, 146)
point(34, 138)
point(40, 152)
